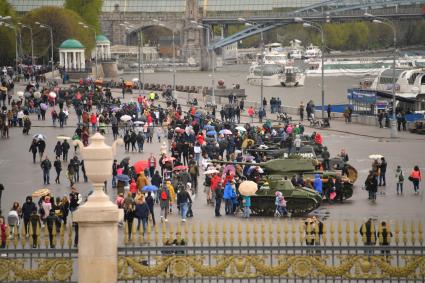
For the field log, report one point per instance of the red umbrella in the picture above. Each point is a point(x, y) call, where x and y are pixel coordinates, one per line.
point(180, 168)
point(140, 165)
point(168, 159)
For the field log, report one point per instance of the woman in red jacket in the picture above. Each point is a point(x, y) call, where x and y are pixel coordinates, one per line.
point(415, 177)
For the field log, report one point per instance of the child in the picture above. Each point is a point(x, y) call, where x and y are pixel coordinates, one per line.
point(246, 206)
point(2, 233)
point(280, 203)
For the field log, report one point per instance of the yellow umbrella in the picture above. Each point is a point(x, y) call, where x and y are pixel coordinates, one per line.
point(2, 88)
point(248, 188)
point(245, 143)
point(62, 138)
point(41, 192)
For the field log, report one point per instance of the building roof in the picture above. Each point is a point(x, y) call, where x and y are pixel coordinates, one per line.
point(102, 38)
point(71, 44)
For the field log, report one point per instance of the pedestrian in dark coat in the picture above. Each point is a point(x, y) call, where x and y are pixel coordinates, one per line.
point(33, 149)
point(58, 167)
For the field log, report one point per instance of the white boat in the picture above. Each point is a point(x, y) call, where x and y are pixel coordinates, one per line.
point(275, 57)
point(312, 52)
point(295, 51)
point(275, 75)
point(293, 76)
point(272, 74)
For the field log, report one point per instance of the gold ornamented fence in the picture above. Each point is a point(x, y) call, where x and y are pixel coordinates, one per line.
point(284, 250)
point(218, 251)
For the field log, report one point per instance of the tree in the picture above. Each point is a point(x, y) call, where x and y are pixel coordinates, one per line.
point(64, 24)
point(89, 10)
point(7, 36)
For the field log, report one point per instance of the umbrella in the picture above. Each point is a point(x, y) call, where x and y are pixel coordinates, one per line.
point(39, 137)
point(240, 128)
point(37, 94)
point(211, 171)
point(263, 146)
point(180, 131)
point(245, 143)
point(211, 133)
point(20, 93)
point(2, 88)
point(44, 106)
point(125, 118)
point(375, 156)
point(150, 188)
point(248, 188)
point(140, 165)
point(40, 193)
point(209, 127)
point(225, 132)
point(181, 167)
point(139, 123)
point(123, 178)
point(230, 168)
point(62, 138)
point(135, 80)
point(168, 159)
point(27, 94)
point(52, 94)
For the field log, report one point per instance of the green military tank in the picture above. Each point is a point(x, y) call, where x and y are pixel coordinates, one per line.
point(300, 200)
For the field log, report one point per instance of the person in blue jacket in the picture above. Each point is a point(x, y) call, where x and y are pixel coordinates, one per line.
point(228, 195)
point(318, 184)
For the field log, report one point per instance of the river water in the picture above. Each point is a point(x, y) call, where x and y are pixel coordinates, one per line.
point(335, 87)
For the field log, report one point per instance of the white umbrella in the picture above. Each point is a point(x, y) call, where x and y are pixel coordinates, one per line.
point(375, 156)
point(62, 138)
point(240, 128)
point(263, 146)
point(52, 94)
point(135, 80)
point(20, 93)
point(125, 118)
point(39, 137)
point(139, 123)
point(248, 188)
point(37, 94)
point(211, 171)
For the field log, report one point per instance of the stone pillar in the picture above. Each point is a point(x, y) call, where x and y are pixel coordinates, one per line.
point(98, 218)
point(74, 60)
point(83, 60)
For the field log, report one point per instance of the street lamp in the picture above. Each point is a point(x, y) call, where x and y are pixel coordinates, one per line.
point(210, 35)
point(95, 42)
point(318, 27)
point(16, 41)
point(129, 27)
point(51, 41)
point(174, 57)
point(247, 23)
point(32, 41)
point(389, 23)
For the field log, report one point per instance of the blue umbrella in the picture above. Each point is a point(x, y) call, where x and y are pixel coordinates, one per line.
point(150, 188)
point(123, 178)
point(209, 128)
point(211, 133)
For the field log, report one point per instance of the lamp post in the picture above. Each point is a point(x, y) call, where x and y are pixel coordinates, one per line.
point(16, 43)
point(98, 218)
point(319, 28)
point(209, 37)
point(95, 43)
point(389, 23)
point(248, 23)
point(174, 57)
point(32, 41)
point(51, 42)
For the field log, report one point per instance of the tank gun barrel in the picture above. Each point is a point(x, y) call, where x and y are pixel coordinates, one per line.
point(279, 165)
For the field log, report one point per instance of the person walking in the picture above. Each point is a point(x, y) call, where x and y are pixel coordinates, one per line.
point(384, 236)
point(228, 195)
point(152, 165)
point(301, 111)
point(58, 150)
point(46, 165)
point(27, 208)
point(326, 158)
point(415, 177)
point(183, 202)
point(75, 199)
point(65, 149)
point(1, 192)
point(129, 219)
point(371, 185)
point(142, 212)
point(33, 149)
point(383, 170)
point(151, 202)
point(41, 146)
point(218, 198)
point(399, 179)
point(164, 203)
point(246, 201)
point(368, 233)
point(58, 167)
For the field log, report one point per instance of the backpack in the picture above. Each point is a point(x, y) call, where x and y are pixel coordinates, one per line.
point(164, 195)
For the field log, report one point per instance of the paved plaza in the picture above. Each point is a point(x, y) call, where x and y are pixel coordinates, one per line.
point(21, 177)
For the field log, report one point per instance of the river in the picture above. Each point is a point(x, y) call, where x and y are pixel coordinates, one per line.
point(335, 87)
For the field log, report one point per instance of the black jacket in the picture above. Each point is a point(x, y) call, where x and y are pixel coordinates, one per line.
point(183, 197)
point(27, 208)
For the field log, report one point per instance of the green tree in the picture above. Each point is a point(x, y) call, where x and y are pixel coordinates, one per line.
point(89, 10)
point(64, 24)
point(7, 35)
